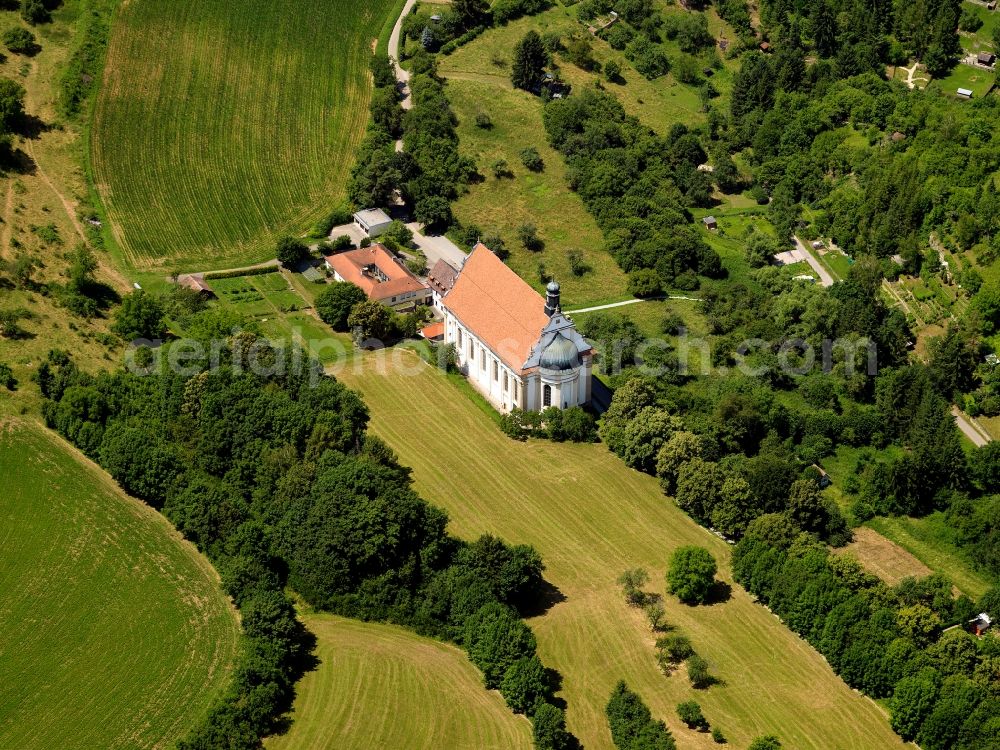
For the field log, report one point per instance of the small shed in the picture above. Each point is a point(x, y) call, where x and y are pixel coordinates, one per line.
point(818, 245)
point(964, 93)
point(981, 623)
point(824, 478)
point(765, 46)
point(897, 136)
point(986, 58)
point(372, 221)
point(710, 223)
point(314, 275)
point(433, 332)
point(992, 5)
point(196, 282)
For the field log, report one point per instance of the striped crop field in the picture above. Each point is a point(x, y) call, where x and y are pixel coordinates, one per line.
point(222, 125)
point(380, 686)
point(116, 633)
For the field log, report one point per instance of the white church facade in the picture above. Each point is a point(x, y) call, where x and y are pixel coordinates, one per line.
point(516, 349)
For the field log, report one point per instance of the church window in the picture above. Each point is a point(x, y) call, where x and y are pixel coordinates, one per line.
point(496, 370)
point(482, 359)
point(547, 395)
point(505, 386)
point(459, 337)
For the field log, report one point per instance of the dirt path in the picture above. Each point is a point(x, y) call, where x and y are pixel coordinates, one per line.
point(631, 302)
point(974, 432)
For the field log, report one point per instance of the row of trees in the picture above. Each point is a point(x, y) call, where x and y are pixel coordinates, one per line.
point(889, 642)
point(270, 471)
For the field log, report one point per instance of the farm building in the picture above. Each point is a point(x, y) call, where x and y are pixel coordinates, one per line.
point(765, 47)
point(440, 280)
point(710, 223)
point(964, 93)
point(986, 58)
point(517, 349)
point(372, 221)
point(381, 276)
point(196, 282)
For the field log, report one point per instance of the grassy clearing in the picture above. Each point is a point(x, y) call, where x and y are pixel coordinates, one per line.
point(541, 198)
point(887, 560)
point(590, 518)
point(220, 126)
point(981, 40)
point(978, 80)
point(379, 686)
point(929, 540)
point(116, 633)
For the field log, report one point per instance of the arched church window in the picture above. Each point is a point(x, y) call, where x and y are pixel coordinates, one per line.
point(547, 395)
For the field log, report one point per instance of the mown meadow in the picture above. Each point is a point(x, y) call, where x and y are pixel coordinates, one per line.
point(116, 632)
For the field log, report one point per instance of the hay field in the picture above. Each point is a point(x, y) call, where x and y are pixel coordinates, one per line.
point(590, 517)
point(116, 633)
point(380, 686)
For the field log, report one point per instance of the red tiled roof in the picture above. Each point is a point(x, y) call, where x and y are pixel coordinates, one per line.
point(352, 266)
point(497, 306)
point(433, 331)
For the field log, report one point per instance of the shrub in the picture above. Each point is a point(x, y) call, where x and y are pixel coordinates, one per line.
point(718, 737)
point(501, 169)
point(20, 41)
point(531, 159)
point(613, 71)
point(697, 669)
point(7, 379)
point(549, 728)
point(483, 121)
point(528, 235)
point(675, 648)
point(632, 582)
point(525, 685)
point(35, 12)
point(644, 282)
point(577, 265)
point(690, 713)
point(767, 742)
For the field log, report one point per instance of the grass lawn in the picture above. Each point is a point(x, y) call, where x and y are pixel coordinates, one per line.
point(978, 80)
point(590, 517)
point(380, 686)
point(541, 198)
point(981, 40)
point(220, 126)
point(650, 314)
point(116, 633)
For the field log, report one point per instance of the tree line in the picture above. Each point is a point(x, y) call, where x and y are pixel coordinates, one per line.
point(273, 475)
point(890, 642)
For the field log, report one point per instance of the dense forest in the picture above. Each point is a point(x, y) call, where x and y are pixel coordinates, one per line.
point(266, 465)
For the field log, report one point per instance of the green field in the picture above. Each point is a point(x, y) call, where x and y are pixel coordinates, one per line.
point(115, 631)
point(222, 125)
point(380, 686)
point(978, 80)
point(541, 198)
point(590, 518)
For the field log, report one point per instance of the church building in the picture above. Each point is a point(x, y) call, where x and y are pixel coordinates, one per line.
point(517, 349)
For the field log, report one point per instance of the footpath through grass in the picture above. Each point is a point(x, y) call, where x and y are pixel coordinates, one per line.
point(380, 686)
point(116, 633)
point(590, 517)
point(220, 126)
